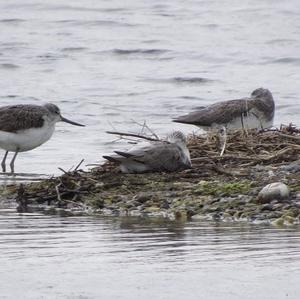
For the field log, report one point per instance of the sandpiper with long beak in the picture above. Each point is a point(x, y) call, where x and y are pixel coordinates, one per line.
point(254, 112)
point(25, 127)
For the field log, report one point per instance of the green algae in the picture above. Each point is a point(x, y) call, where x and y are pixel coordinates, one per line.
point(215, 188)
point(181, 196)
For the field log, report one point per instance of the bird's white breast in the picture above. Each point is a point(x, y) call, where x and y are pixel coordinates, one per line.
point(25, 140)
point(251, 121)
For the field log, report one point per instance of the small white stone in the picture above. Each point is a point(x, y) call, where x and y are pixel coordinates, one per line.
point(271, 173)
point(272, 191)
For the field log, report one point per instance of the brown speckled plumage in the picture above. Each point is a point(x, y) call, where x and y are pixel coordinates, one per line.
point(260, 104)
point(25, 127)
point(21, 117)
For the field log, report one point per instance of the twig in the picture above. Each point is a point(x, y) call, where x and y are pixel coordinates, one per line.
point(144, 125)
point(94, 164)
point(132, 135)
point(76, 168)
point(295, 138)
point(236, 157)
point(65, 172)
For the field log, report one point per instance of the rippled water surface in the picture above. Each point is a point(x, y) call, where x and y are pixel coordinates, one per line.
point(106, 63)
point(52, 257)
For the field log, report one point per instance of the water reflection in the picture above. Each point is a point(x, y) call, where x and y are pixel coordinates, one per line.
point(133, 252)
point(138, 238)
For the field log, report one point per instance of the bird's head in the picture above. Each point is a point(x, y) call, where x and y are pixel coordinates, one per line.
point(261, 93)
point(55, 115)
point(177, 137)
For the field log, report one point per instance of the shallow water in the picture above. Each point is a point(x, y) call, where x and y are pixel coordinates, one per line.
point(86, 257)
point(106, 63)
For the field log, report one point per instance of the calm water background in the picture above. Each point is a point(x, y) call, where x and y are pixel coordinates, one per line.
point(52, 257)
point(106, 63)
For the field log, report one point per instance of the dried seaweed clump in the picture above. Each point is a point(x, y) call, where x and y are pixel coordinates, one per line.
point(247, 148)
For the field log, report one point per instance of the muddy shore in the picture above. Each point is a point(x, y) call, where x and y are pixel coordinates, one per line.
point(220, 188)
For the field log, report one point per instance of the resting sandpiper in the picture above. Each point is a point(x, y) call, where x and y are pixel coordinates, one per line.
point(159, 156)
point(25, 127)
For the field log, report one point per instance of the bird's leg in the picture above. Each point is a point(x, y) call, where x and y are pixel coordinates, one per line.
point(243, 118)
point(223, 138)
point(3, 162)
point(12, 163)
point(260, 121)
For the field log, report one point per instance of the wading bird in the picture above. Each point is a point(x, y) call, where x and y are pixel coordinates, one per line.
point(25, 127)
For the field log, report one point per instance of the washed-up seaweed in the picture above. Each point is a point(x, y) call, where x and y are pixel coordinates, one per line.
point(246, 154)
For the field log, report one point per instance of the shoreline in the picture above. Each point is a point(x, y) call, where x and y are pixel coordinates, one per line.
point(217, 188)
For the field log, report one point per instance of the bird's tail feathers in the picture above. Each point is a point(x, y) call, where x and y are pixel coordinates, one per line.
point(111, 159)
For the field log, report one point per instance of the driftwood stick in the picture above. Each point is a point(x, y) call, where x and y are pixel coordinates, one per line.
point(291, 137)
point(65, 172)
point(132, 135)
point(277, 155)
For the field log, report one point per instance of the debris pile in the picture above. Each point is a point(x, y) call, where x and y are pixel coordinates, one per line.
point(250, 161)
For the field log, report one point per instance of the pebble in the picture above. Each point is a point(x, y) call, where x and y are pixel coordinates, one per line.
point(278, 190)
point(142, 197)
point(292, 167)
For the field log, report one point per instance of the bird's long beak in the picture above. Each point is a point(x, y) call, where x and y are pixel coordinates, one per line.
point(71, 122)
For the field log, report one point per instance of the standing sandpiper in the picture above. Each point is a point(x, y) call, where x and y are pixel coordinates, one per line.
point(256, 112)
point(25, 127)
point(159, 156)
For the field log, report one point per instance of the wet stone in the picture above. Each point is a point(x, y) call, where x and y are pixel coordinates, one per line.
point(278, 190)
point(267, 207)
point(143, 197)
point(165, 205)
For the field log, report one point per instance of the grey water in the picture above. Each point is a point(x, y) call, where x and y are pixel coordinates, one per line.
point(113, 65)
point(95, 257)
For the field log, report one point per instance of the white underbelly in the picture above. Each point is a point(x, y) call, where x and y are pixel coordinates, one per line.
point(133, 167)
point(25, 140)
point(246, 122)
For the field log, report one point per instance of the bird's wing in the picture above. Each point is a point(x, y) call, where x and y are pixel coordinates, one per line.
point(163, 157)
point(158, 156)
point(20, 117)
point(125, 156)
point(221, 112)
